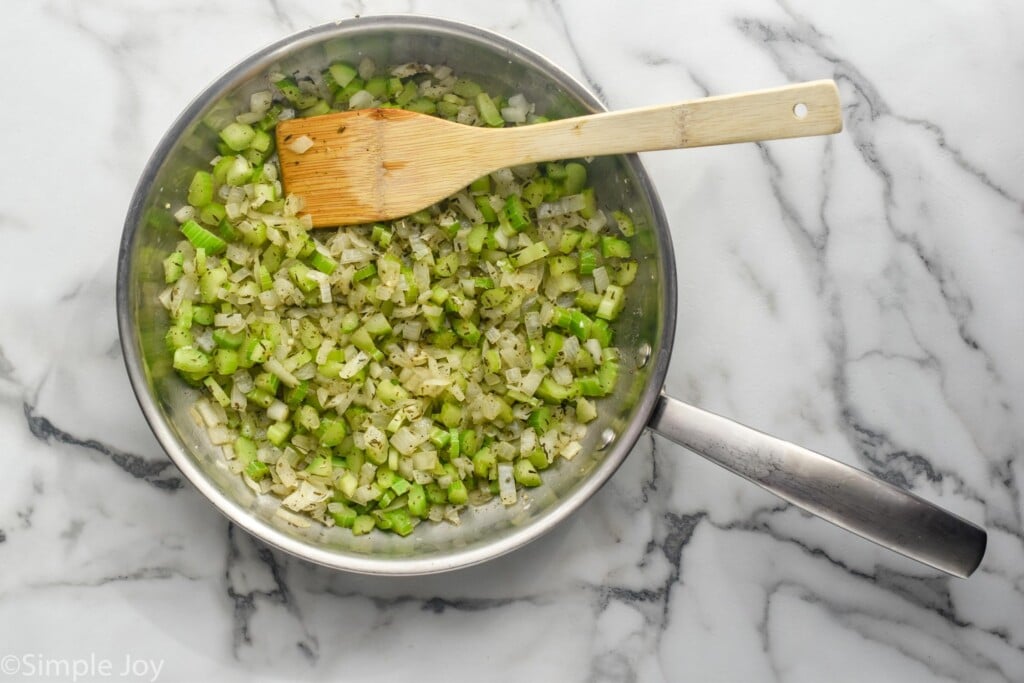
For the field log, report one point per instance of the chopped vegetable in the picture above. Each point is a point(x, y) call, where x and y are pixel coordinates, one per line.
point(384, 375)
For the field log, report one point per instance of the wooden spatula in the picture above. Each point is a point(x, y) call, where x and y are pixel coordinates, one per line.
point(378, 164)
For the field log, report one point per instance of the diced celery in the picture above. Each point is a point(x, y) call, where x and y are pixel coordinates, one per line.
point(607, 374)
point(570, 238)
point(575, 177)
point(553, 342)
point(540, 419)
point(200, 190)
point(435, 494)
point(454, 443)
point(257, 470)
point(239, 172)
point(399, 521)
point(612, 302)
point(307, 418)
point(202, 314)
point(299, 274)
point(580, 324)
point(590, 203)
point(237, 136)
point(294, 396)
point(322, 262)
point(407, 95)
point(526, 474)
point(363, 524)
point(457, 493)
point(294, 94)
point(173, 267)
point(227, 340)
point(535, 191)
point(528, 255)
point(278, 432)
point(422, 105)
point(417, 501)
point(586, 411)
point(488, 111)
point(200, 237)
point(344, 516)
point(341, 73)
point(588, 301)
point(332, 431)
point(588, 261)
point(213, 214)
point(613, 247)
point(466, 88)
point(553, 392)
point(475, 239)
point(481, 184)
point(377, 325)
point(272, 257)
point(390, 391)
point(178, 337)
point(364, 273)
point(626, 273)
point(320, 466)
point(220, 169)
point(484, 463)
point(539, 459)
point(466, 330)
point(624, 222)
point(226, 361)
point(590, 385)
point(516, 213)
point(192, 360)
point(483, 203)
point(378, 87)
point(600, 331)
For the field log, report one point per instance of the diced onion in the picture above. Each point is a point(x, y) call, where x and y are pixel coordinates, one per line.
point(562, 375)
point(561, 206)
point(506, 484)
point(571, 450)
point(260, 101)
point(531, 381)
point(208, 413)
point(513, 115)
point(274, 366)
point(301, 144)
point(184, 214)
point(305, 497)
point(601, 279)
point(527, 441)
point(243, 381)
point(355, 255)
point(277, 411)
point(597, 222)
point(361, 99)
point(354, 365)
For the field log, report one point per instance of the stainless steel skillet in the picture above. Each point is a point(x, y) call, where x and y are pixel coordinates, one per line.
point(841, 494)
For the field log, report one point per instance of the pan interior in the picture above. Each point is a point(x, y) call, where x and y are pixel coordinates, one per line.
point(150, 232)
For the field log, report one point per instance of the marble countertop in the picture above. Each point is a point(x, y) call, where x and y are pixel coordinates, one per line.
point(860, 295)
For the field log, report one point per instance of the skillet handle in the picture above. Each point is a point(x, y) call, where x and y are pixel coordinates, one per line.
point(847, 497)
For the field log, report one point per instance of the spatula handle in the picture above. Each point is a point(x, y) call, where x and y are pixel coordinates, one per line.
point(790, 111)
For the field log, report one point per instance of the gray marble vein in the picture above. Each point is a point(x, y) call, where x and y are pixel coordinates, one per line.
point(152, 472)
